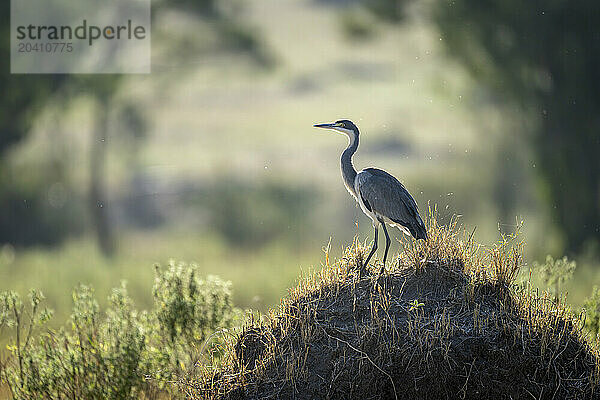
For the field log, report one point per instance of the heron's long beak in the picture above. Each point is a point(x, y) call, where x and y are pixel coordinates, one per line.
point(325, 126)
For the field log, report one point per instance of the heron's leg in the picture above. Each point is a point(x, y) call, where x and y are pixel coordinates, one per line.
point(387, 246)
point(374, 245)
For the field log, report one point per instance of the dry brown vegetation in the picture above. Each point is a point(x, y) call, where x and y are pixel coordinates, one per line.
point(447, 320)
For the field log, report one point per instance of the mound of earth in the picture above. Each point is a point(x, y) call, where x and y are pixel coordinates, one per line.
point(442, 324)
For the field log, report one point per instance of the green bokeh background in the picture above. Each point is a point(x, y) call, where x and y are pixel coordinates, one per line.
point(212, 157)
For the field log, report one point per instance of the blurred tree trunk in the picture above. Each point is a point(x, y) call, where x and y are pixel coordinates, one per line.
point(98, 196)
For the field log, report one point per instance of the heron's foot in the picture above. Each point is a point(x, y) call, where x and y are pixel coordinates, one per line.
point(381, 274)
point(362, 271)
point(364, 267)
point(360, 267)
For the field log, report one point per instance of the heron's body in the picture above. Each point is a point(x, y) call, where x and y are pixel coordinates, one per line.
point(379, 186)
point(380, 195)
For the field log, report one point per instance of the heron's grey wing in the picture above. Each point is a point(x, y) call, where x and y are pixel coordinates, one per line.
point(386, 196)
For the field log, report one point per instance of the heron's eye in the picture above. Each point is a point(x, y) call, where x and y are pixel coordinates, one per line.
point(340, 124)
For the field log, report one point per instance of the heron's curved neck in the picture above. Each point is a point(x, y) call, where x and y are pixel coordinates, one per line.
point(348, 171)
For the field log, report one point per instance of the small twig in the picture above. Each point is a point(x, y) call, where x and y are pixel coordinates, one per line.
point(464, 388)
point(471, 236)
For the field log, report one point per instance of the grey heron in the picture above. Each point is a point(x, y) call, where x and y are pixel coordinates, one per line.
point(380, 196)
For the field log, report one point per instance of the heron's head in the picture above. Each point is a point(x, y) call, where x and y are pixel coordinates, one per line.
point(343, 126)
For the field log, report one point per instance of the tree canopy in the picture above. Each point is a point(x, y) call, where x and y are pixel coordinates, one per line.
point(544, 57)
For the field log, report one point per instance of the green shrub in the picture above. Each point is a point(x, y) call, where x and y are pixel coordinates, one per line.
point(592, 310)
point(120, 353)
point(555, 273)
point(187, 310)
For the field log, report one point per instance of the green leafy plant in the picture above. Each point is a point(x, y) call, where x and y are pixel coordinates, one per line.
point(113, 355)
point(415, 305)
point(555, 273)
point(592, 310)
point(187, 311)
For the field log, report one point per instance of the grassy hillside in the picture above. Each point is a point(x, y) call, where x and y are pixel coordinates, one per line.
point(446, 321)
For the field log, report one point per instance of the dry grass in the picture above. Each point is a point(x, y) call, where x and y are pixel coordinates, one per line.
point(446, 320)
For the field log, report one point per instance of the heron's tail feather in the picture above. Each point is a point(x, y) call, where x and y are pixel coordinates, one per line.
point(415, 228)
point(418, 229)
point(419, 232)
